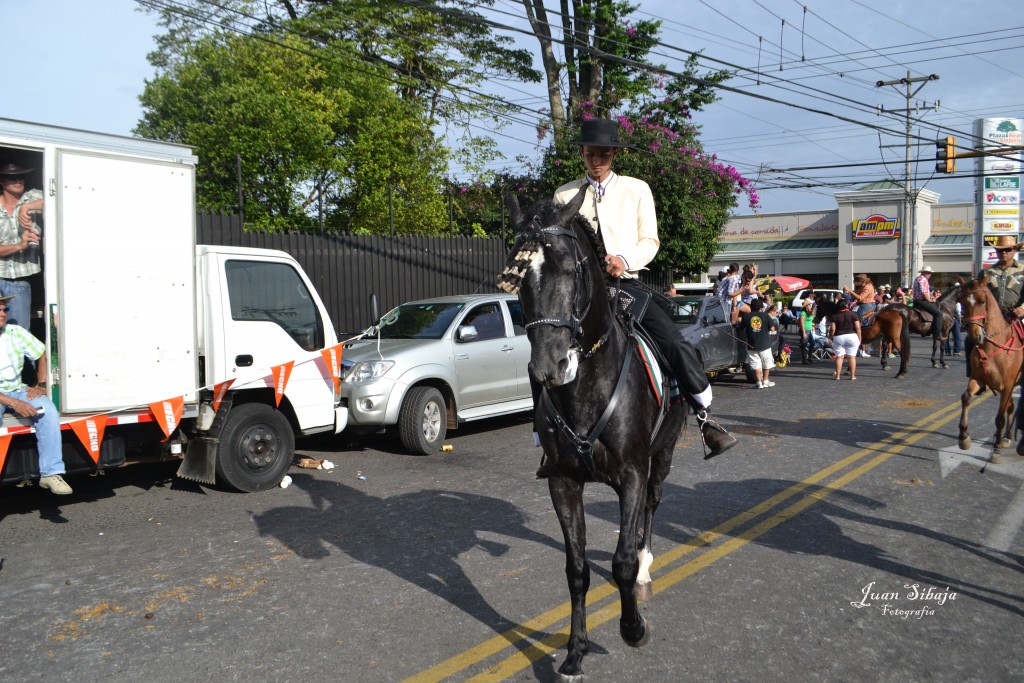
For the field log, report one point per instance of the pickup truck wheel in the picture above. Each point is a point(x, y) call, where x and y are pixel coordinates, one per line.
point(256, 448)
point(423, 422)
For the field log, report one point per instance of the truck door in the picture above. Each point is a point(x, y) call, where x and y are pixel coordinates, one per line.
point(485, 365)
point(268, 315)
point(126, 281)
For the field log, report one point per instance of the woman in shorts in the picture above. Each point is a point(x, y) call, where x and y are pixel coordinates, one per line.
point(845, 328)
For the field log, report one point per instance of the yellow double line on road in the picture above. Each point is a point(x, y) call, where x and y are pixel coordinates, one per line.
point(531, 629)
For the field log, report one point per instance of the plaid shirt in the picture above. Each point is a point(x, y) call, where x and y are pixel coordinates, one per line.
point(24, 262)
point(15, 344)
point(922, 288)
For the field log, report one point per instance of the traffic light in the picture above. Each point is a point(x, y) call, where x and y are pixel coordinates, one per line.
point(945, 155)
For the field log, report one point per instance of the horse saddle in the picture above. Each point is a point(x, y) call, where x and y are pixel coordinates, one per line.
point(629, 303)
point(867, 319)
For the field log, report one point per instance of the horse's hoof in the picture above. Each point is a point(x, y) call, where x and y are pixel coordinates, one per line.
point(1005, 443)
point(996, 458)
point(571, 670)
point(1020, 448)
point(965, 443)
point(945, 365)
point(633, 641)
point(643, 592)
point(901, 375)
point(934, 364)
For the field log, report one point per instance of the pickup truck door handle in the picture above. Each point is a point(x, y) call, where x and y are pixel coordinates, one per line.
point(243, 361)
point(506, 347)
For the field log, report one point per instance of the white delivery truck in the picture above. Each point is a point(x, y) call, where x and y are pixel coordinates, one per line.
point(159, 347)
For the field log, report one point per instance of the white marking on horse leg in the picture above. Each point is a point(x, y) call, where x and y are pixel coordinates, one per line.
point(643, 591)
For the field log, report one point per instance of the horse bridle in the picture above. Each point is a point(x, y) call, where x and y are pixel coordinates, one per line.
point(582, 295)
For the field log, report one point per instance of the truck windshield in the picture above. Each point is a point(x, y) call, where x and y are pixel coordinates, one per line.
point(686, 309)
point(417, 321)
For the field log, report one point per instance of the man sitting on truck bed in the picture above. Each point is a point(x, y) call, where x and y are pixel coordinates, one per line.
point(16, 343)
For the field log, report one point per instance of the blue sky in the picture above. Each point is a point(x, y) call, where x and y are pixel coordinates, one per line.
point(85, 68)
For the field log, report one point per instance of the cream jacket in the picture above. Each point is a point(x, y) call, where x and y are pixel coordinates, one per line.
point(625, 215)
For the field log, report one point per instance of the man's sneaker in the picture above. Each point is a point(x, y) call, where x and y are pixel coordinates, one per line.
point(759, 385)
point(768, 383)
point(55, 483)
point(716, 439)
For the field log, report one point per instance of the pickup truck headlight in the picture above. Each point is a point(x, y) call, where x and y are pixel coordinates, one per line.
point(369, 370)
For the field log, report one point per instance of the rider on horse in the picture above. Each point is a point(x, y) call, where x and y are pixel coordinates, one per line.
point(924, 300)
point(622, 208)
point(1006, 280)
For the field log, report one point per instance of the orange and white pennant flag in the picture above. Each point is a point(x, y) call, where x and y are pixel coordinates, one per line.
point(168, 413)
point(90, 433)
point(5, 443)
point(218, 392)
point(332, 357)
point(281, 374)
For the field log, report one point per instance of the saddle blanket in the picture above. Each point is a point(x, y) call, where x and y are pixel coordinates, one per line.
point(656, 375)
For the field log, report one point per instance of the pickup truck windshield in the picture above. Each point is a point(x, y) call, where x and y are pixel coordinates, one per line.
point(417, 321)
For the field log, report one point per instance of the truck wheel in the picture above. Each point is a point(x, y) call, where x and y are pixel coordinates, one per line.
point(256, 448)
point(423, 422)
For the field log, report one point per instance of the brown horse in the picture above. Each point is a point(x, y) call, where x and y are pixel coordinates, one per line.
point(889, 323)
point(995, 360)
point(921, 323)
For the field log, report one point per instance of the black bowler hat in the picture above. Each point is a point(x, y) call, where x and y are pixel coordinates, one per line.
point(600, 133)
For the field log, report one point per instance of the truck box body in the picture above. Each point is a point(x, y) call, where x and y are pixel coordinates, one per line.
point(133, 312)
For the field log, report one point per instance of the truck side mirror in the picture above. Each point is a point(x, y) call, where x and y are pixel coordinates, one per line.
point(467, 333)
point(374, 309)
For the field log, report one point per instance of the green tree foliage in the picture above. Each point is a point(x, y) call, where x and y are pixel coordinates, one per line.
point(606, 75)
point(317, 139)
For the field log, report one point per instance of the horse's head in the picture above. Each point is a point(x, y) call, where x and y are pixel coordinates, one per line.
point(557, 268)
point(977, 303)
point(824, 308)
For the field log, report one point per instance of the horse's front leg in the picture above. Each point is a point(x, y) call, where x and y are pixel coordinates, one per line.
point(626, 562)
point(1003, 423)
point(973, 386)
point(567, 497)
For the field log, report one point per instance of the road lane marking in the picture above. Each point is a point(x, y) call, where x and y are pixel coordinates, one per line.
point(529, 630)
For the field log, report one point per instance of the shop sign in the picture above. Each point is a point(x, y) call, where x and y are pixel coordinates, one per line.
point(876, 226)
point(1002, 183)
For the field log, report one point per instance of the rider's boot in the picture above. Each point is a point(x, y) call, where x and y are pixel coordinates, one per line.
point(716, 439)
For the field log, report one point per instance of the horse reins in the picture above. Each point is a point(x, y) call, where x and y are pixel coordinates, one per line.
point(584, 444)
point(1015, 327)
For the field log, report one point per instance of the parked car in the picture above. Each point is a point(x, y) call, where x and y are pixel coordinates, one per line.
point(703, 321)
point(798, 300)
point(429, 365)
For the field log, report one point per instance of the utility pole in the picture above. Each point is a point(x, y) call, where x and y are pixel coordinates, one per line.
point(908, 236)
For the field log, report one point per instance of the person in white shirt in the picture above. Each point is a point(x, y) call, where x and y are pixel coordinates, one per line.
point(622, 209)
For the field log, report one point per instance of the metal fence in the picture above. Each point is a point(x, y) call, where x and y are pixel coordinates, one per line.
point(347, 269)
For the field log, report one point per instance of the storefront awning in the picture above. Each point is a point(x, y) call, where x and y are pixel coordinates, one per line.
point(781, 245)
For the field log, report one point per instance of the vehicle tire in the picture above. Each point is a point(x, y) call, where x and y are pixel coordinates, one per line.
point(256, 448)
point(423, 422)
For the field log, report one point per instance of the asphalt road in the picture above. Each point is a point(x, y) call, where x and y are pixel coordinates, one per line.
point(845, 538)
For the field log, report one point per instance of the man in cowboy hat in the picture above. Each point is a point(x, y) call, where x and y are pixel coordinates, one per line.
point(622, 209)
point(924, 299)
point(32, 403)
point(1006, 276)
point(19, 239)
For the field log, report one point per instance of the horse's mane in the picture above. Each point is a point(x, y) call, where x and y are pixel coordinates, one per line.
point(528, 244)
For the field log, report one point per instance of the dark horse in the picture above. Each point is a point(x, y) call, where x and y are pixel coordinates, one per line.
point(921, 322)
point(889, 323)
point(597, 415)
point(995, 360)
